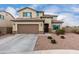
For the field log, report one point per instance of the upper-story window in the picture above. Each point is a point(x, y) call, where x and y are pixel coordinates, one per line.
point(27, 14)
point(55, 17)
point(37, 13)
point(1, 17)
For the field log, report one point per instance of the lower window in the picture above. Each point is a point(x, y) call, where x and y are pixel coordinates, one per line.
point(56, 27)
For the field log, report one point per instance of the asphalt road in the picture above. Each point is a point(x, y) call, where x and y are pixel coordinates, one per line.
point(19, 43)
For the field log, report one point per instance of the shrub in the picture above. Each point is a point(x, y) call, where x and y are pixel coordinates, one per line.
point(53, 41)
point(0, 32)
point(49, 37)
point(60, 31)
point(62, 37)
point(76, 31)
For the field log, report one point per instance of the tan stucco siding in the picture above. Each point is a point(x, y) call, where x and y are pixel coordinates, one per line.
point(48, 21)
point(6, 22)
point(41, 14)
point(27, 10)
point(34, 13)
point(41, 26)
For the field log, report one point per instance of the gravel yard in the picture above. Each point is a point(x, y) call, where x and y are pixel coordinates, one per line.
point(71, 41)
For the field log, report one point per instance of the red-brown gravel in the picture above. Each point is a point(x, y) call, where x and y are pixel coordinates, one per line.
point(70, 42)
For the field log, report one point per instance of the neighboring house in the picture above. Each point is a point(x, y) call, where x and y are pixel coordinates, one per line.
point(32, 21)
point(5, 22)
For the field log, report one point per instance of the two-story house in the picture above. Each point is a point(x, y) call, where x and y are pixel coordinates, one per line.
point(5, 22)
point(33, 21)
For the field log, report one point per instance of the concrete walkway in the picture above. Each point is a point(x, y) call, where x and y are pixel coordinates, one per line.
point(19, 43)
point(56, 51)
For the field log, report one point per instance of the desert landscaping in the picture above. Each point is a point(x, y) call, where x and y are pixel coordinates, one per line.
point(25, 43)
point(71, 41)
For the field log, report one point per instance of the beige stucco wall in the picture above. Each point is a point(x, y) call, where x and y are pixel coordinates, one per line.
point(48, 20)
point(41, 26)
point(34, 14)
point(40, 14)
point(6, 22)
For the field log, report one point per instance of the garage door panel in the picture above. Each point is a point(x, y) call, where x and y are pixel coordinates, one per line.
point(28, 28)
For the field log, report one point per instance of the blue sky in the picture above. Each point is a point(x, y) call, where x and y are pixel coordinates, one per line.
point(69, 13)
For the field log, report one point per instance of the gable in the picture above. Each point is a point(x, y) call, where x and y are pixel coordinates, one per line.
point(30, 10)
point(24, 9)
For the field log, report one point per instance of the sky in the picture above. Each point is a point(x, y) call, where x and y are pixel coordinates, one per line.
point(69, 13)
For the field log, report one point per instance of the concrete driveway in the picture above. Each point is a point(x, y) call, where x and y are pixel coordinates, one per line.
point(19, 43)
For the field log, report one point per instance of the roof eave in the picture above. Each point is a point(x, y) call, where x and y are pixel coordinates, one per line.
point(57, 22)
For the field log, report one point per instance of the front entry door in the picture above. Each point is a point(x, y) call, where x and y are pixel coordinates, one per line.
point(46, 29)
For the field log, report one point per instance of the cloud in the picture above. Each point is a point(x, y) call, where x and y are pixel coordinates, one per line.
point(52, 10)
point(69, 19)
point(61, 17)
point(33, 6)
point(75, 9)
point(67, 14)
point(12, 11)
point(71, 8)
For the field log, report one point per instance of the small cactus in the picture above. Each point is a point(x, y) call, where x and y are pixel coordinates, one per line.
point(53, 41)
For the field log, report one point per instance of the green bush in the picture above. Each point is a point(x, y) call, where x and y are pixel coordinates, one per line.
point(60, 31)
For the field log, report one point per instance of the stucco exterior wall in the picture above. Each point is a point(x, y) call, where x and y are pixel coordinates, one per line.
point(48, 20)
point(40, 14)
point(41, 26)
point(34, 14)
point(6, 22)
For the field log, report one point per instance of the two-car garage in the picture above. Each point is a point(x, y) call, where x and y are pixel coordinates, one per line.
point(28, 28)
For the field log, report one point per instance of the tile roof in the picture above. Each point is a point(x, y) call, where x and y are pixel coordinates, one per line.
point(57, 21)
point(28, 19)
point(49, 15)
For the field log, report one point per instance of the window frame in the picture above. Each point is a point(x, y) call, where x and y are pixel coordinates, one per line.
point(25, 14)
point(2, 17)
point(38, 13)
point(56, 27)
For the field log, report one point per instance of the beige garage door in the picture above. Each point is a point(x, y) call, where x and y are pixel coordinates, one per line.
point(28, 28)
